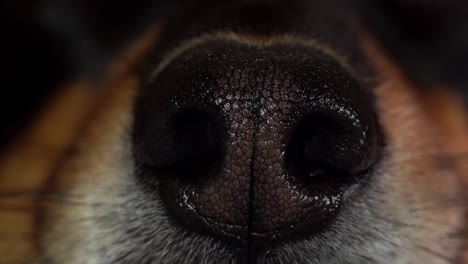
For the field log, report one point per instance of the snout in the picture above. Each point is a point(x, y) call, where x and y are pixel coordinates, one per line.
point(256, 145)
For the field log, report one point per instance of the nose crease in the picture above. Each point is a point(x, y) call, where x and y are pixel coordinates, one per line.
point(231, 188)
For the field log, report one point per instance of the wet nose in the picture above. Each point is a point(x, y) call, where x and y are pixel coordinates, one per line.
point(254, 143)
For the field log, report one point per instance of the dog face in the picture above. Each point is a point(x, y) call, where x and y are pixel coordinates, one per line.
point(262, 133)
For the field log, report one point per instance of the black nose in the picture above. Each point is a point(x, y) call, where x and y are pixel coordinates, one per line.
point(254, 143)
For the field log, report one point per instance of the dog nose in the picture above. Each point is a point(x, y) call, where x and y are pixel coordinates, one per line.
point(254, 143)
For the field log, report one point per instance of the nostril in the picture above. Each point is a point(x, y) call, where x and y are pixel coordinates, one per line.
point(330, 146)
point(197, 142)
point(327, 153)
point(188, 141)
point(311, 152)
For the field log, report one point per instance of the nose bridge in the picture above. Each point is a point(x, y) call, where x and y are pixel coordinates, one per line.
point(231, 188)
point(253, 185)
point(278, 199)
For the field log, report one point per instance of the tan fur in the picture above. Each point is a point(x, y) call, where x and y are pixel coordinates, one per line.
point(421, 129)
point(435, 121)
point(27, 166)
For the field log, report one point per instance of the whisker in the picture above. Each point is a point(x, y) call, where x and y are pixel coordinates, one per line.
point(399, 223)
point(437, 155)
point(78, 203)
point(23, 209)
point(44, 148)
point(435, 253)
point(14, 194)
point(17, 236)
point(443, 205)
point(45, 197)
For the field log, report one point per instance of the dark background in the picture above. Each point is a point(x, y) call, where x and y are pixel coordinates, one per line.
point(46, 43)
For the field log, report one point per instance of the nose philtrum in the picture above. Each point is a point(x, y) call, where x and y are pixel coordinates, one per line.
point(252, 180)
point(291, 126)
point(224, 198)
point(275, 198)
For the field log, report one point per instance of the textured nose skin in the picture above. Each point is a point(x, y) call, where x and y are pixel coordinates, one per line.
point(280, 133)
